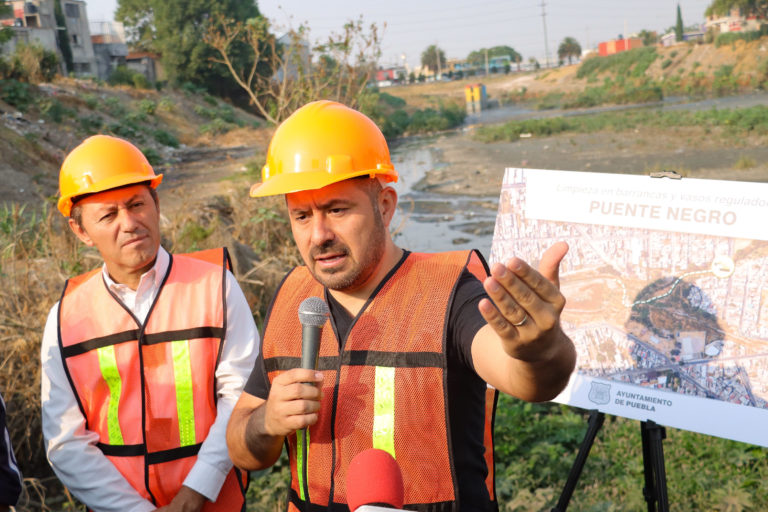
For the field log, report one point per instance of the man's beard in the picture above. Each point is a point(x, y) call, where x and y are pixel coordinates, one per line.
point(359, 271)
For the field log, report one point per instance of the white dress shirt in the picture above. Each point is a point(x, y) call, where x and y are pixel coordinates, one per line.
point(71, 449)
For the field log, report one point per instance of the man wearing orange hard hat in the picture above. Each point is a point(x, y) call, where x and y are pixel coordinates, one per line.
point(414, 339)
point(143, 359)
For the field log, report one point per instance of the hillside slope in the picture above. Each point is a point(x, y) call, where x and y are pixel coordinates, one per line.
point(39, 125)
point(685, 63)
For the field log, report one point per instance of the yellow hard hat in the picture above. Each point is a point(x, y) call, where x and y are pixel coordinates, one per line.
point(101, 163)
point(321, 143)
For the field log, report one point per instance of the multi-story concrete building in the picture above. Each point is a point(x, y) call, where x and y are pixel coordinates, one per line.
point(76, 19)
point(34, 22)
point(108, 40)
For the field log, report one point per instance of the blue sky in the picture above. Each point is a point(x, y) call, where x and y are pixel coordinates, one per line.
point(460, 26)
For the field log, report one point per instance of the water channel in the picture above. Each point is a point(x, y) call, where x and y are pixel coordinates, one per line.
point(434, 222)
point(428, 221)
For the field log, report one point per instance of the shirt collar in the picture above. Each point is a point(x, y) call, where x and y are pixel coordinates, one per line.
point(156, 273)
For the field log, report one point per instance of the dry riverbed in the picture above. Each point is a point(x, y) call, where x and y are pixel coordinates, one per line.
point(471, 167)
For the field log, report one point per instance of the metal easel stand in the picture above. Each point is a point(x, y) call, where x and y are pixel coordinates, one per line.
point(655, 489)
point(596, 419)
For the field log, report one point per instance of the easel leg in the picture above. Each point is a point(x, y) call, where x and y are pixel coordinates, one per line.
point(655, 490)
point(596, 419)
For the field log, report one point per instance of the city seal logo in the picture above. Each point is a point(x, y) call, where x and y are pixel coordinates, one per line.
point(600, 393)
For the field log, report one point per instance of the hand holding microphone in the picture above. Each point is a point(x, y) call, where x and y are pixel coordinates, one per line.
point(292, 405)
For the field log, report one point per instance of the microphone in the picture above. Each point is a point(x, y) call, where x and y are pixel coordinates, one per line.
point(374, 478)
point(313, 313)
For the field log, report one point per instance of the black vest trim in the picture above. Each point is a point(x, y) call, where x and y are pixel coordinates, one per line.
point(184, 334)
point(173, 454)
point(363, 358)
point(394, 359)
point(96, 343)
point(121, 450)
point(274, 364)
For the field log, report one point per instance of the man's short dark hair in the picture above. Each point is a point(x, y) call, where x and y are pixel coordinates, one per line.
point(76, 213)
point(373, 187)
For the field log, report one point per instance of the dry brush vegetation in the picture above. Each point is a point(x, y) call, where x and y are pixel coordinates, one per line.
point(37, 254)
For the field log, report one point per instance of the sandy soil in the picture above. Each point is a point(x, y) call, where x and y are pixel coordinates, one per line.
point(471, 167)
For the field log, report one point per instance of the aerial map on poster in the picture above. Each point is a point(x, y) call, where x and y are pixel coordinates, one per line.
point(666, 282)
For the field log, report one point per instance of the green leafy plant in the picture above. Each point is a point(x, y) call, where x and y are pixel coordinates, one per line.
point(91, 124)
point(115, 107)
point(165, 138)
point(18, 94)
point(52, 109)
point(147, 106)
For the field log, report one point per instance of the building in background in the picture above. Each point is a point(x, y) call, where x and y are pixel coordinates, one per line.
point(670, 38)
point(618, 45)
point(391, 75)
point(457, 66)
point(737, 20)
point(146, 63)
point(108, 39)
point(34, 22)
point(76, 19)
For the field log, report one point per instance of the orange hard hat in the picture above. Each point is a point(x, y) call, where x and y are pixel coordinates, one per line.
point(321, 143)
point(101, 163)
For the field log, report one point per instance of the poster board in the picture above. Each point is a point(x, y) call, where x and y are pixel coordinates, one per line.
point(666, 283)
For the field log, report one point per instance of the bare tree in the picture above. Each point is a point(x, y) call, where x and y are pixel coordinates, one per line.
point(287, 72)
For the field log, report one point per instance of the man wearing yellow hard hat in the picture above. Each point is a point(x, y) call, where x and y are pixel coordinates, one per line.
point(413, 338)
point(143, 358)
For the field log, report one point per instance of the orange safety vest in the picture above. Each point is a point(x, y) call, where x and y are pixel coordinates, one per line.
point(149, 390)
point(386, 389)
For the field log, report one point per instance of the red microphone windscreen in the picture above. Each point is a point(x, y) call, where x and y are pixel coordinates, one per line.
point(374, 478)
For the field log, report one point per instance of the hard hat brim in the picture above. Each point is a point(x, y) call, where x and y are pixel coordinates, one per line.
point(290, 182)
point(65, 203)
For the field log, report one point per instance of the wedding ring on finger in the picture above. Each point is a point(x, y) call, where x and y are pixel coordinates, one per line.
point(521, 322)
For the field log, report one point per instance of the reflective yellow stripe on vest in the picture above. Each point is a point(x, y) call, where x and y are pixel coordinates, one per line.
point(301, 464)
point(185, 406)
point(384, 410)
point(108, 367)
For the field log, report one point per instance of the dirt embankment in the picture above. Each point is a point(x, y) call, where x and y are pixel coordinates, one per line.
point(469, 167)
point(174, 128)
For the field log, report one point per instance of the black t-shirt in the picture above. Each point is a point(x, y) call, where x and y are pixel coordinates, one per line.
point(466, 390)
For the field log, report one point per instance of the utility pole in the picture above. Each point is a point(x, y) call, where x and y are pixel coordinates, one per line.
point(546, 44)
point(487, 71)
point(437, 58)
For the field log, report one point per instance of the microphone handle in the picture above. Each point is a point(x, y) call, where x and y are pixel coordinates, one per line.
point(310, 346)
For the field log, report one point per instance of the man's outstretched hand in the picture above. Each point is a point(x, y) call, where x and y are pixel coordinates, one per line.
point(526, 305)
